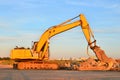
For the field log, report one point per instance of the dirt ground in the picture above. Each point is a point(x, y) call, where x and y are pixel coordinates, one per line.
point(7, 73)
point(5, 66)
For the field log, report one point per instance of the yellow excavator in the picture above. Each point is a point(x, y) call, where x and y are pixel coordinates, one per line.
point(38, 56)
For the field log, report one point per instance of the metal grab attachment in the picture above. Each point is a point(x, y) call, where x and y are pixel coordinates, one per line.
point(90, 44)
point(92, 47)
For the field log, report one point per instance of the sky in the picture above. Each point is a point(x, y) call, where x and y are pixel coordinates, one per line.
point(24, 21)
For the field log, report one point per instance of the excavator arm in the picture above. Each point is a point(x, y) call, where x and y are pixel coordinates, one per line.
point(42, 47)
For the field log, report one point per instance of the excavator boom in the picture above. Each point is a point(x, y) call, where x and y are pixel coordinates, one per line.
point(42, 47)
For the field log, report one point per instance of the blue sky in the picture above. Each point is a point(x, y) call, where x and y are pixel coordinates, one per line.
point(23, 21)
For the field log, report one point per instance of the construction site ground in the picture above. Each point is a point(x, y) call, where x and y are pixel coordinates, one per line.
point(7, 73)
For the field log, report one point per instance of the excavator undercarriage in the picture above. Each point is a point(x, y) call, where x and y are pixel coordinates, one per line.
point(39, 65)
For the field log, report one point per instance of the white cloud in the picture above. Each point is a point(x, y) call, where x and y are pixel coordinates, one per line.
point(113, 6)
point(17, 4)
point(93, 3)
point(106, 30)
point(78, 3)
point(4, 25)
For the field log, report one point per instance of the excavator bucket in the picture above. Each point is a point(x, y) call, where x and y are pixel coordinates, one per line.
point(100, 53)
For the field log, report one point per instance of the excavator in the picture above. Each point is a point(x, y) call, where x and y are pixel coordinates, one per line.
point(38, 56)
